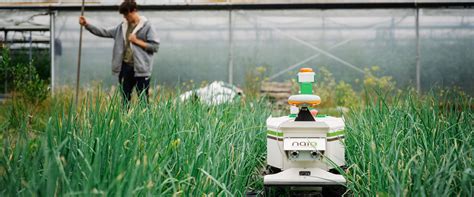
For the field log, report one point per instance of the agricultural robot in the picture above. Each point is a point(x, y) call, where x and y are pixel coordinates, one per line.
point(304, 149)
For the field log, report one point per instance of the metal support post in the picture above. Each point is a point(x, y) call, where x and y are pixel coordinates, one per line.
point(418, 69)
point(231, 51)
point(30, 52)
point(6, 73)
point(52, 16)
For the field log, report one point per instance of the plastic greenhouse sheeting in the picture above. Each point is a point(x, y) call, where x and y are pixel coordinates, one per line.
point(195, 44)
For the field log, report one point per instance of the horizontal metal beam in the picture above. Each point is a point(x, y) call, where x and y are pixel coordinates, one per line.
point(299, 28)
point(30, 28)
point(42, 47)
point(260, 6)
point(26, 41)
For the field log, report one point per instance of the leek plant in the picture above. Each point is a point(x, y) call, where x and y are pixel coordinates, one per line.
point(168, 148)
point(405, 145)
point(412, 145)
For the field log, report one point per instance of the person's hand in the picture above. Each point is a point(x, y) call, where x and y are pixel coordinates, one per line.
point(132, 38)
point(82, 21)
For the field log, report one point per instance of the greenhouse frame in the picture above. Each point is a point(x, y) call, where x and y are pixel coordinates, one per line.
point(421, 44)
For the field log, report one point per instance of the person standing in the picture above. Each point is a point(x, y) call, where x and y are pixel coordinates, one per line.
point(135, 43)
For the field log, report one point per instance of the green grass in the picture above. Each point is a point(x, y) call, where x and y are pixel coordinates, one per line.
point(405, 145)
point(412, 146)
point(166, 148)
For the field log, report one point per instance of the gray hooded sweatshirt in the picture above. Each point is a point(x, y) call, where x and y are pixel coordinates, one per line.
point(142, 58)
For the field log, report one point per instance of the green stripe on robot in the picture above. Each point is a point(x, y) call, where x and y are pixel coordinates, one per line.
point(333, 134)
point(280, 134)
point(274, 133)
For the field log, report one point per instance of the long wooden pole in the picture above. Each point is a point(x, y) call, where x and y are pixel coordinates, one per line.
point(79, 58)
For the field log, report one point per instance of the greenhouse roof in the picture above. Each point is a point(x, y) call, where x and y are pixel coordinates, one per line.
point(237, 4)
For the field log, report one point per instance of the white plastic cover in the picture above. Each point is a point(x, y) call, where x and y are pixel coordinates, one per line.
point(216, 93)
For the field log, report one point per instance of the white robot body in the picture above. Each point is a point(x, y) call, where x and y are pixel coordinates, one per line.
point(303, 147)
point(305, 150)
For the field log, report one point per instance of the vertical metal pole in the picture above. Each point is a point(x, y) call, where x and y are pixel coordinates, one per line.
point(392, 33)
point(257, 36)
point(30, 51)
point(323, 27)
point(79, 58)
point(6, 73)
point(231, 51)
point(418, 69)
point(52, 21)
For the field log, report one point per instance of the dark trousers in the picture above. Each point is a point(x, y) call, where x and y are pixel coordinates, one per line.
point(128, 80)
